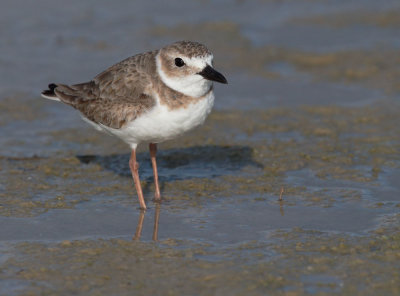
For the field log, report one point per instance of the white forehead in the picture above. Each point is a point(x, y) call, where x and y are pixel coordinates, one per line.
point(198, 62)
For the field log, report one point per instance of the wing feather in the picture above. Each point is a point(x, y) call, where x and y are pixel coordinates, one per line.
point(117, 95)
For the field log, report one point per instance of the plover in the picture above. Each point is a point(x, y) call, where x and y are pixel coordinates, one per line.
point(147, 98)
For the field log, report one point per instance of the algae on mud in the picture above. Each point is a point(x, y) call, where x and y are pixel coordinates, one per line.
point(296, 262)
point(67, 202)
point(378, 18)
point(334, 143)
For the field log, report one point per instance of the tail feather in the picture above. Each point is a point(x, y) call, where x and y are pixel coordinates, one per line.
point(49, 93)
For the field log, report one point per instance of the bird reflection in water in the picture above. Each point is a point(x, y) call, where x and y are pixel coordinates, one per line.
point(139, 227)
point(281, 208)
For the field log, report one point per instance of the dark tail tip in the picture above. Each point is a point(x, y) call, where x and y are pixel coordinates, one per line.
point(50, 91)
point(52, 86)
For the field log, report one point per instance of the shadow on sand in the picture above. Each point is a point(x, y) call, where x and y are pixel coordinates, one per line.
point(178, 164)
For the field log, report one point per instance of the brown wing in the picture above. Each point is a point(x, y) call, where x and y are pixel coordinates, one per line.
point(117, 95)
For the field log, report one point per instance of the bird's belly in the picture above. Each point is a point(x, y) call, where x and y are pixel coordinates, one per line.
point(161, 124)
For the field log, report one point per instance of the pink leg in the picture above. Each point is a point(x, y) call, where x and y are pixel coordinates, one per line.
point(133, 164)
point(153, 152)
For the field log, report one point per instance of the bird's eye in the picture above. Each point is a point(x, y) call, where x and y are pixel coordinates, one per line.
point(179, 62)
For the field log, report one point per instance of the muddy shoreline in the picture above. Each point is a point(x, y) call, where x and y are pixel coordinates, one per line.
point(311, 114)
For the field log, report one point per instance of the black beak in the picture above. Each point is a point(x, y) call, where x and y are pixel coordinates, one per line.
point(210, 74)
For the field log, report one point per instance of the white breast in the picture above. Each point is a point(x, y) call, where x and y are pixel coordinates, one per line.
point(161, 124)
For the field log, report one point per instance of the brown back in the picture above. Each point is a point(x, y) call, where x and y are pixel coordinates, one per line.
point(117, 95)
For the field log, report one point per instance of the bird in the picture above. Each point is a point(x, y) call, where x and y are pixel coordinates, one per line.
point(150, 98)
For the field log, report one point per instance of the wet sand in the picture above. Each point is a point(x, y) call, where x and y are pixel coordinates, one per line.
point(306, 117)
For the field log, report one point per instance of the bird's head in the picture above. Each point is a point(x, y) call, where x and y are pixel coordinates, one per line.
point(186, 67)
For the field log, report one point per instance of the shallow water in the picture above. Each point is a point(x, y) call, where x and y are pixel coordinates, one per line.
point(310, 114)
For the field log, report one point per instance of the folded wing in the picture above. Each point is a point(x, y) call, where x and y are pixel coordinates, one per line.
point(114, 97)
